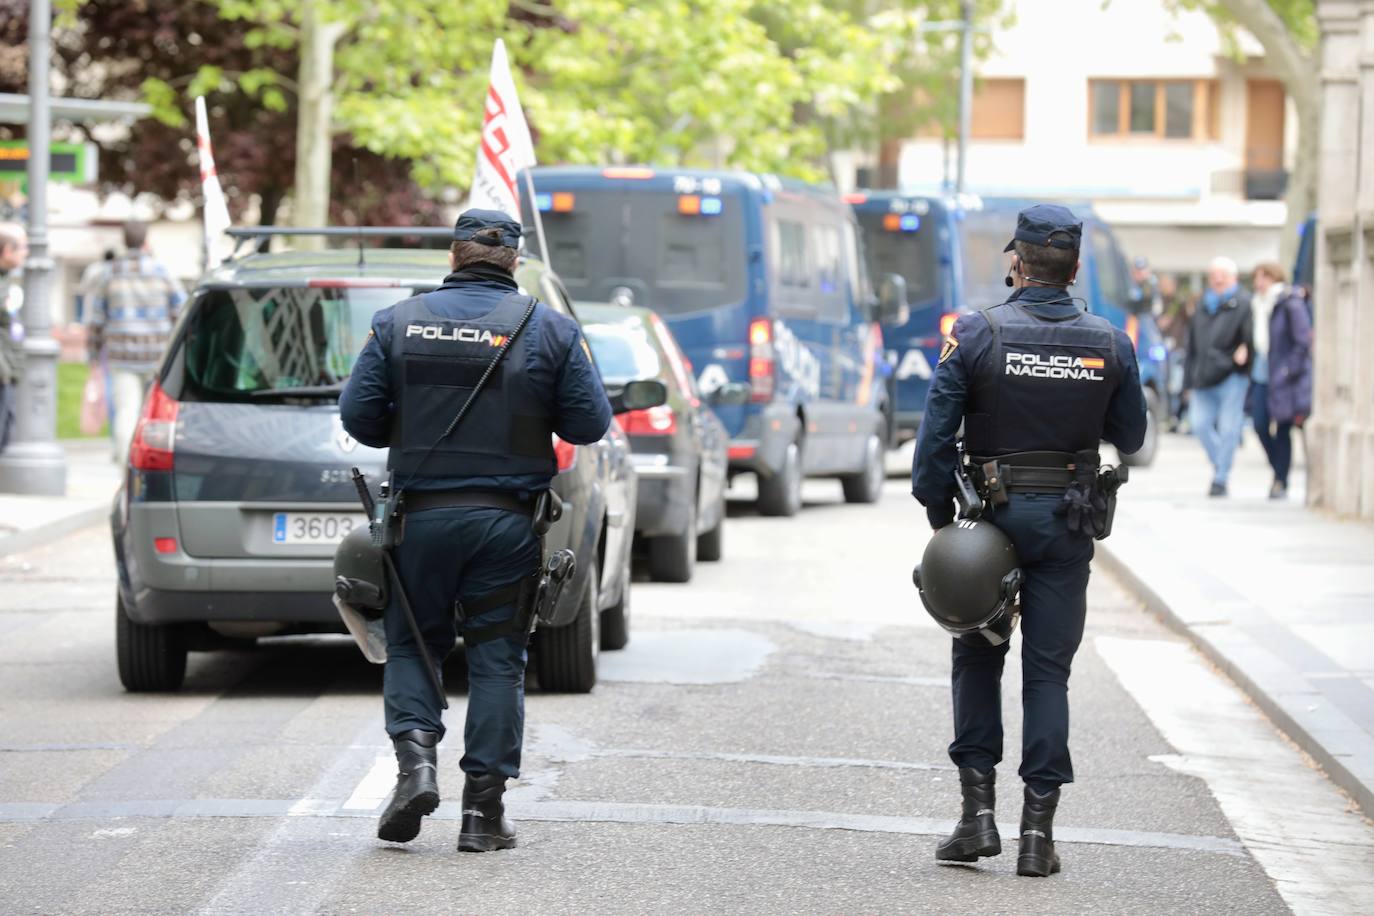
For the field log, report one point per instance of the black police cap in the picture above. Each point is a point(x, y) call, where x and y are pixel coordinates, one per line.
point(471, 222)
point(1047, 224)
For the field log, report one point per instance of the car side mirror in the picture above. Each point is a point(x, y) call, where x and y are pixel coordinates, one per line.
point(641, 394)
point(731, 394)
point(892, 305)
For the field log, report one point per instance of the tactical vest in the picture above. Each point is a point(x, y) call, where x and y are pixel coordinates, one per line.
point(435, 363)
point(1043, 385)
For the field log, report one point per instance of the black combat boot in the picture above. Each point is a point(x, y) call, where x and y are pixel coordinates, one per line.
point(976, 833)
point(417, 786)
point(485, 828)
point(1037, 858)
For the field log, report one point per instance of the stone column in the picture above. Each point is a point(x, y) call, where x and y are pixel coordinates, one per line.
point(1341, 432)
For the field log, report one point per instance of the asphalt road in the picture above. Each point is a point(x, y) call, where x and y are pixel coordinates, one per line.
point(772, 740)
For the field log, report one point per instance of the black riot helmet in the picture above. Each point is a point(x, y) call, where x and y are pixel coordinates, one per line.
point(968, 580)
point(359, 574)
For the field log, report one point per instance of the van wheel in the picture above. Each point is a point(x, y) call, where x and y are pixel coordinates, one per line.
point(672, 557)
point(711, 544)
point(867, 485)
point(151, 657)
point(780, 494)
point(565, 657)
point(1146, 455)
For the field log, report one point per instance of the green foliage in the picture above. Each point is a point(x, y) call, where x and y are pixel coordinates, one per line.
point(1300, 17)
point(71, 388)
point(760, 84)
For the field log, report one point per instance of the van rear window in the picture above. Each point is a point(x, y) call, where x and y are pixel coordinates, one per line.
point(244, 344)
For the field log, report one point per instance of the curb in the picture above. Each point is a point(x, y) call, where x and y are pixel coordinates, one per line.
point(52, 531)
point(1244, 665)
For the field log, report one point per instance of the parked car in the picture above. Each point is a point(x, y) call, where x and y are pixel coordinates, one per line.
point(761, 281)
point(679, 448)
point(238, 488)
point(950, 252)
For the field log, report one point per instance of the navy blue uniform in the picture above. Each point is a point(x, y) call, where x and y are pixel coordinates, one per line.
point(464, 553)
point(1054, 561)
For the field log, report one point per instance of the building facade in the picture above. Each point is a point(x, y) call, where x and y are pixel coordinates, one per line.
point(1341, 432)
point(1180, 141)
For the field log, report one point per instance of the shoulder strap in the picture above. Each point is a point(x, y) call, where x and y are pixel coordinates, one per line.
point(476, 390)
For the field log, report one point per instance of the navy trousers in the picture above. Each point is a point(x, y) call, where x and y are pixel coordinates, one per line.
point(449, 555)
point(1054, 604)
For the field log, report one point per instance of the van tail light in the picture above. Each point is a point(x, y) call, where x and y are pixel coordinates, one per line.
point(151, 448)
point(947, 323)
point(565, 452)
point(655, 421)
point(1133, 330)
point(762, 366)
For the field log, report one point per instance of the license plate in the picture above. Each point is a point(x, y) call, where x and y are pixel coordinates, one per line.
point(313, 527)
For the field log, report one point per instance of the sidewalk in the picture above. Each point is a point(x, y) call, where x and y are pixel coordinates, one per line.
point(92, 479)
point(1279, 596)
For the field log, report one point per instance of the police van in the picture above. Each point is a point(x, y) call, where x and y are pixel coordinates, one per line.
point(762, 282)
point(950, 252)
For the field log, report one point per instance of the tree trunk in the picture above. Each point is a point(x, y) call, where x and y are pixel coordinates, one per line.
point(1298, 69)
point(314, 123)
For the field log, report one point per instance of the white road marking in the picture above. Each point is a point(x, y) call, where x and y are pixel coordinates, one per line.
point(375, 786)
point(1298, 826)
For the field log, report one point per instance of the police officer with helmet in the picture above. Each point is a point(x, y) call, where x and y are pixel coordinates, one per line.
point(1036, 383)
point(467, 501)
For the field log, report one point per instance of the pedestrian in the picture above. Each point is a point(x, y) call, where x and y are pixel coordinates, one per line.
point(1037, 383)
point(13, 250)
point(1217, 370)
point(92, 278)
point(1145, 288)
point(131, 310)
point(1282, 372)
point(468, 530)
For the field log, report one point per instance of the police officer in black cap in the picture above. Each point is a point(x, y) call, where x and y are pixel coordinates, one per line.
point(468, 496)
point(1037, 383)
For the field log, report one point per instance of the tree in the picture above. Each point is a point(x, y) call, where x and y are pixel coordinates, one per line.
point(1287, 29)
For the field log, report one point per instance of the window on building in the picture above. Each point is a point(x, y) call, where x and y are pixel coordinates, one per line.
point(999, 110)
point(1167, 109)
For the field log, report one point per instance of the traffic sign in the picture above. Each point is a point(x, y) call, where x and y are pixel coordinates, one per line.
point(69, 163)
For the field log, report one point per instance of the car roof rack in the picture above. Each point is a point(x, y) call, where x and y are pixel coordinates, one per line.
point(240, 234)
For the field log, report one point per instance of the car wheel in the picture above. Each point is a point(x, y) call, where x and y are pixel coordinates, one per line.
point(615, 621)
point(671, 558)
point(711, 544)
point(780, 494)
point(1146, 455)
point(867, 485)
point(151, 657)
point(565, 657)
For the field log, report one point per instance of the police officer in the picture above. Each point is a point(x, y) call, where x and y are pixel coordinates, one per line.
point(1037, 383)
point(468, 498)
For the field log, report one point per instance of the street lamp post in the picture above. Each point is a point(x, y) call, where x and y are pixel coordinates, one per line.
point(33, 463)
point(965, 89)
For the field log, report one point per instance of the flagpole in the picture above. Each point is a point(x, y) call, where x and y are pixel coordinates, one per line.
point(538, 220)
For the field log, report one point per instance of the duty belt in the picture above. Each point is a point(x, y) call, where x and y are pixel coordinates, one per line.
point(420, 500)
point(1025, 472)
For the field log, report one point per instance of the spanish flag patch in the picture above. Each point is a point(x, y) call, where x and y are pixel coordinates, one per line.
point(948, 349)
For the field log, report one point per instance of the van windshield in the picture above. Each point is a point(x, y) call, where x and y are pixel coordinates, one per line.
point(985, 233)
point(914, 255)
point(672, 262)
point(244, 344)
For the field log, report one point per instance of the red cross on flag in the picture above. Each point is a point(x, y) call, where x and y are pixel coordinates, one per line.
point(216, 213)
point(506, 145)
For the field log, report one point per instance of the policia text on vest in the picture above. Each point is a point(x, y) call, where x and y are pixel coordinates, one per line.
point(1037, 384)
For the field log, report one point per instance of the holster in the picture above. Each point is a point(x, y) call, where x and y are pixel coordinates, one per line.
point(388, 523)
point(523, 593)
point(1109, 481)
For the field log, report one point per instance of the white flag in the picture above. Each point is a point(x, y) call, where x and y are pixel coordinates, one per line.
point(216, 212)
point(506, 145)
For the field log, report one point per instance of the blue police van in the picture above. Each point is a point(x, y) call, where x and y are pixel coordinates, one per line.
point(762, 281)
point(950, 252)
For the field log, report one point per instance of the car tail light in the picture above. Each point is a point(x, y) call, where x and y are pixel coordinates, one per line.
point(165, 545)
point(565, 452)
point(655, 421)
point(762, 369)
point(947, 323)
point(151, 448)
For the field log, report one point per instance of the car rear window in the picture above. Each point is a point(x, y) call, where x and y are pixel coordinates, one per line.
point(623, 350)
point(243, 344)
